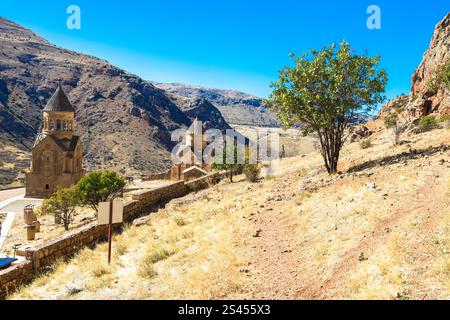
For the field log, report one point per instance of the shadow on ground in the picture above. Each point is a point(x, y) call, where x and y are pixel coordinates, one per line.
point(404, 156)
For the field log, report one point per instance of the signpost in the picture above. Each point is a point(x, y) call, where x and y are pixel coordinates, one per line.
point(110, 213)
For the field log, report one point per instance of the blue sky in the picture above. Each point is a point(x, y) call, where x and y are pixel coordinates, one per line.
point(233, 44)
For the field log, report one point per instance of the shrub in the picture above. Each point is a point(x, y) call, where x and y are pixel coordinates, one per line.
point(427, 123)
point(100, 186)
point(251, 172)
point(158, 255)
point(222, 162)
point(391, 122)
point(365, 144)
point(147, 270)
point(62, 205)
point(99, 270)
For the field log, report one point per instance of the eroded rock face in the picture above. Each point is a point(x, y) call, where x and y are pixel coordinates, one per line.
point(395, 105)
point(423, 100)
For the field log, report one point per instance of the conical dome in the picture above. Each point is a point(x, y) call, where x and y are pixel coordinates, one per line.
point(59, 102)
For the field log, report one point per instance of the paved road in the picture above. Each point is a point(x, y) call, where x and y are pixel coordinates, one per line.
point(7, 198)
point(7, 194)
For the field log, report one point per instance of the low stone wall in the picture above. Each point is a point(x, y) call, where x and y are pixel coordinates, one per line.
point(157, 176)
point(42, 256)
point(14, 276)
point(171, 191)
point(205, 182)
point(46, 254)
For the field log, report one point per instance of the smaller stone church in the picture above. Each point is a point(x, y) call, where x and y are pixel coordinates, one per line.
point(57, 155)
point(192, 165)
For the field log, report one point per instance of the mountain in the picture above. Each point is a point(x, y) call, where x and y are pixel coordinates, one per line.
point(237, 108)
point(124, 122)
point(423, 100)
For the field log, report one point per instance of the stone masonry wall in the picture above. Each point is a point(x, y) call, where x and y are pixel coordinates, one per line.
point(14, 276)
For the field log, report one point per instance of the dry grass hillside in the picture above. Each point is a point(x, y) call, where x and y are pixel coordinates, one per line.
point(13, 163)
point(379, 230)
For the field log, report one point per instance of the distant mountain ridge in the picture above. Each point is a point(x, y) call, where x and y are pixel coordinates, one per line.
point(238, 108)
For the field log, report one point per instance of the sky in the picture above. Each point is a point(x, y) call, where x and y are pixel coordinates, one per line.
point(233, 44)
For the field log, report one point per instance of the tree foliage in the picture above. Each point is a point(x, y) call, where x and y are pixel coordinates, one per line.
point(441, 78)
point(325, 91)
point(100, 186)
point(232, 165)
point(63, 204)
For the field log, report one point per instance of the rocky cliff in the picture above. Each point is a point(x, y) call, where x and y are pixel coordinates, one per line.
point(423, 100)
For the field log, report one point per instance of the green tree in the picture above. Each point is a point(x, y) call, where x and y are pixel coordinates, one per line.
point(100, 186)
point(63, 205)
point(230, 165)
point(326, 91)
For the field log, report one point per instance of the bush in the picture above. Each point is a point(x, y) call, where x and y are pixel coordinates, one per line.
point(365, 144)
point(392, 123)
point(100, 186)
point(62, 205)
point(427, 123)
point(251, 172)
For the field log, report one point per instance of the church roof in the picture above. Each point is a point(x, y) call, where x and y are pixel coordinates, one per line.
point(195, 168)
point(66, 145)
point(59, 102)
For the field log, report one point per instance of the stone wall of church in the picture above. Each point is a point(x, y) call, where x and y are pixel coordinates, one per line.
point(52, 168)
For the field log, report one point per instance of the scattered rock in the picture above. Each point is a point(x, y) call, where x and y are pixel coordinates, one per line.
point(371, 185)
point(362, 257)
point(257, 233)
point(141, 221)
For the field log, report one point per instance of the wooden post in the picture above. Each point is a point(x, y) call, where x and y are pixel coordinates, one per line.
point(110, 231)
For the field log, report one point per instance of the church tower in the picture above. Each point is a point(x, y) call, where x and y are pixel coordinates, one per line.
point(56, 156)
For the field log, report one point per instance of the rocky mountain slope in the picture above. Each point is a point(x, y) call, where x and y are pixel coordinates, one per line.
point(423, 100)
point(124, 122)
point(237, 108)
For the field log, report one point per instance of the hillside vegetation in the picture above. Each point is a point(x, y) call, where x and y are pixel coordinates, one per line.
point(378, 230)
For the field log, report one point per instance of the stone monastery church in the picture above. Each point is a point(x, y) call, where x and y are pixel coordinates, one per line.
point(56, 156)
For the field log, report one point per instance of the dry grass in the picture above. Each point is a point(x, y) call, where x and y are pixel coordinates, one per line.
point(188, 250)
point(350, 240)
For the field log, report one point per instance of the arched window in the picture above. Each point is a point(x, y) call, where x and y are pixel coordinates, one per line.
point(58, 125)
point(52, 125)
point(65, 125)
